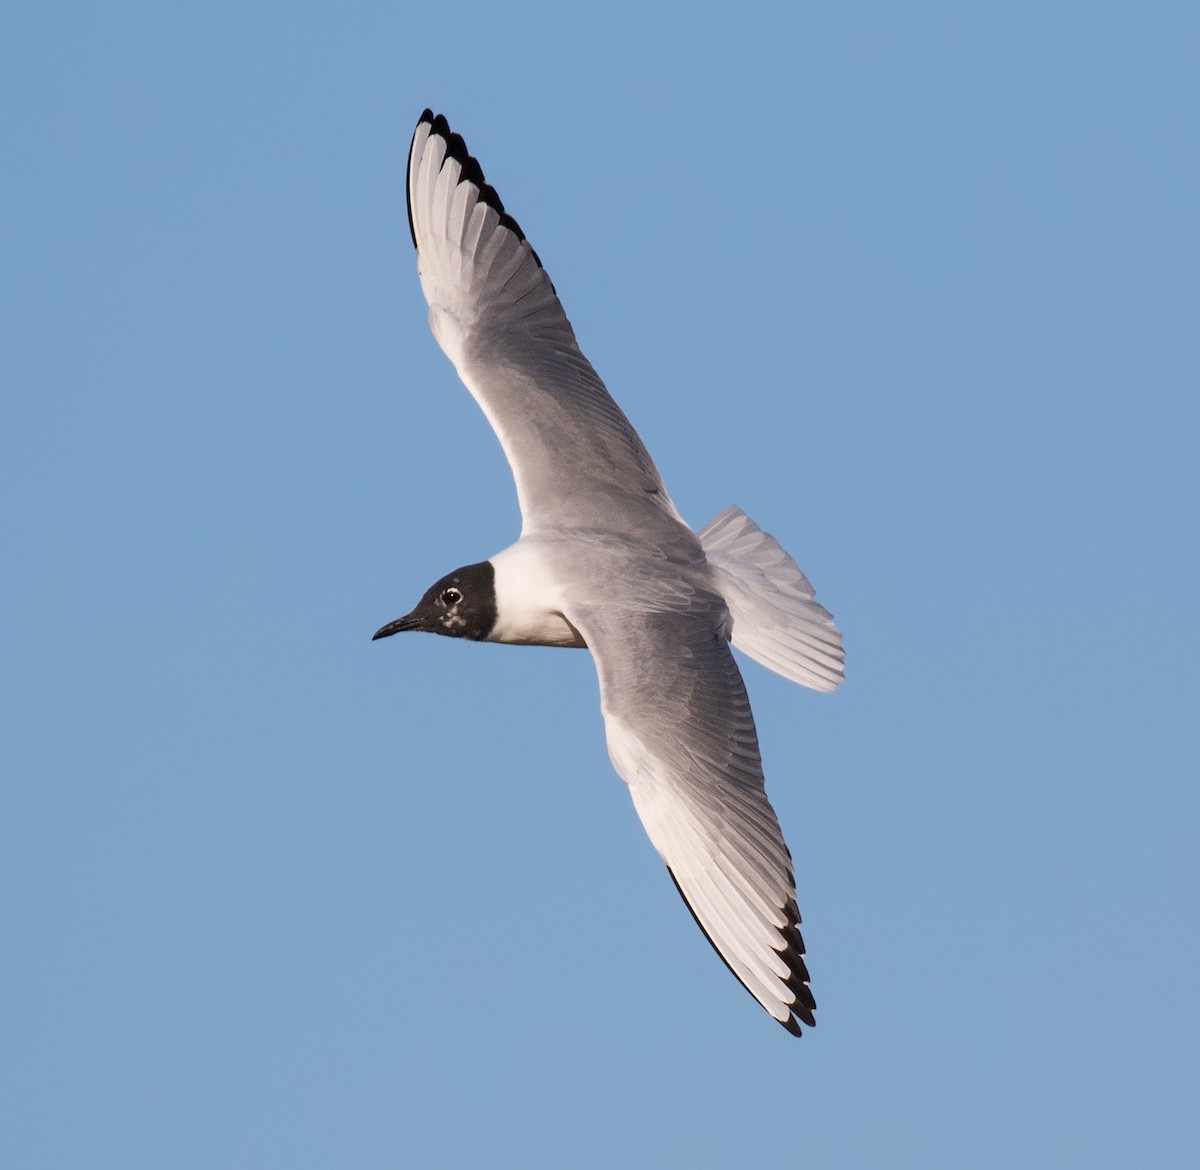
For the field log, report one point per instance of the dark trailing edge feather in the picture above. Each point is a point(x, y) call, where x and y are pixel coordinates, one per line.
point(472, 173)
point(793, 955)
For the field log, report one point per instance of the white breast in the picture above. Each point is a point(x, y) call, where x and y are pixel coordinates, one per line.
point(529, 600)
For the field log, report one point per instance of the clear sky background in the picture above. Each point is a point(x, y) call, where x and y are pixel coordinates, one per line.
point(915, 285)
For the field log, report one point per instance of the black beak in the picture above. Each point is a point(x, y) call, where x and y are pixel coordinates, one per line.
point(408, 622)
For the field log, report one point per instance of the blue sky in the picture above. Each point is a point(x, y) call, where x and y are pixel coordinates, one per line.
point(914, 285)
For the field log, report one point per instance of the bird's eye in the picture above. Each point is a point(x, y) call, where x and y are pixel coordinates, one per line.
point(451, 596)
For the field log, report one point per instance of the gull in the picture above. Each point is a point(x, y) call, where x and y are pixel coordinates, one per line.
point(605, 562)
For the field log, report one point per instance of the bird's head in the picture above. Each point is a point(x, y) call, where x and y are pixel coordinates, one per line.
point(461, 605)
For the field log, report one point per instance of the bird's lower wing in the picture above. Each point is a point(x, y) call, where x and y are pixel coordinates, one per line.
point(681, 734)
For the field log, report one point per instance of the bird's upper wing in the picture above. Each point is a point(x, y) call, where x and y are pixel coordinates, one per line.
point(680, 732)
point(496, 315)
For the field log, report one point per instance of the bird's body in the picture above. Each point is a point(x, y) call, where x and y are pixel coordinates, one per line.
point(545, 576)
point(605, 562)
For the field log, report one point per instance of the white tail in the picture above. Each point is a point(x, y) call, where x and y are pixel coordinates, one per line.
point(776, 618)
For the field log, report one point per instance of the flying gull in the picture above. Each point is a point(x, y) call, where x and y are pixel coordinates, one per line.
point(605, 562)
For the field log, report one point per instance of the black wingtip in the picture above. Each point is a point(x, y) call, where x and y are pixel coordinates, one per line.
point(804, 1004)
point(472, 172)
